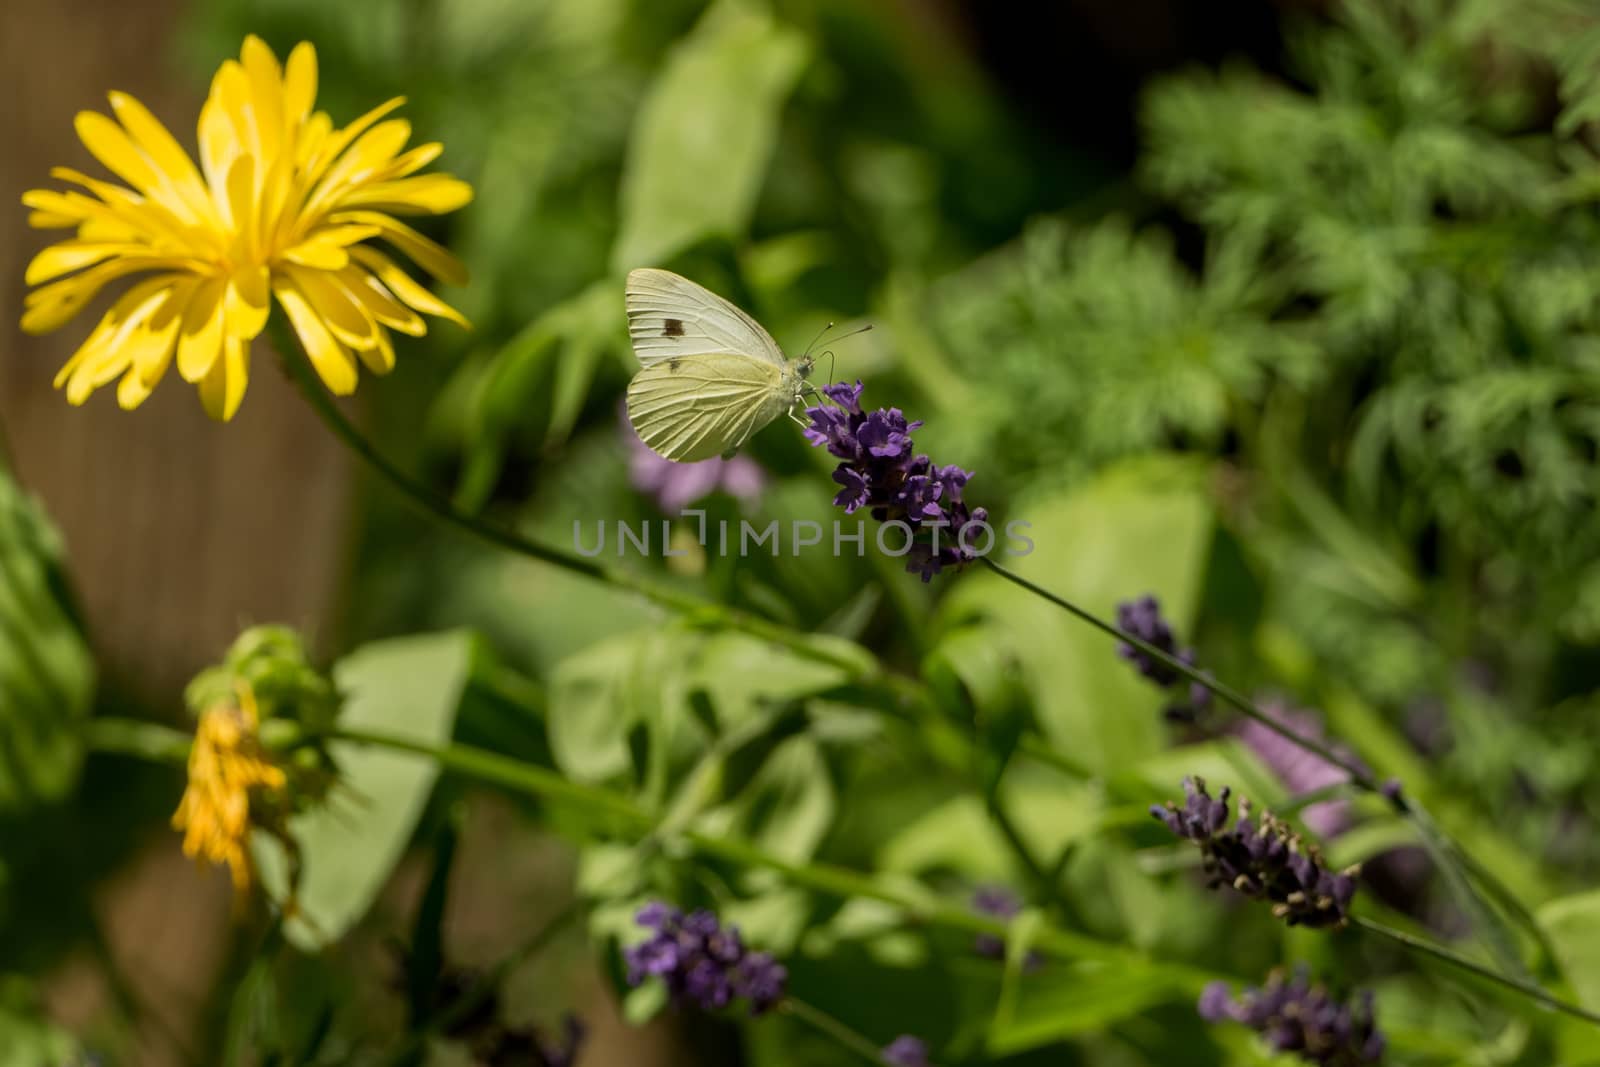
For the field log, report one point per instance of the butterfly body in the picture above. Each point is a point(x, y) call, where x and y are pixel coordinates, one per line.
point(711, 376)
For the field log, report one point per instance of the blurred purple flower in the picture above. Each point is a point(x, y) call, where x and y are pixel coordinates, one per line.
point(702, 962)
point(1263, 859)
point(998, 902)
point(906, 1051)
point(1293, 1015)
point(1301, 771)
point(676, 486)
point(1142, 618)
point(880, 471)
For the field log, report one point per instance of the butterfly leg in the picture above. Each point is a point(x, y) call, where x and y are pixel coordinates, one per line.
point(799, 399)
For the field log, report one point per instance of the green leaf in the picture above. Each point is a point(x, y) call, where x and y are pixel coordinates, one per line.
point(957, 836)
point(1573, 924)
point(1062, 1001)
point(410, 687)
point(705, 133)
point(26, 1038)
point(46, 672)
point(788, 806)
point(1141, 527)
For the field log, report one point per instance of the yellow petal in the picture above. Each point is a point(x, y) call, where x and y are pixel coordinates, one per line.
point(265, 80)
point(222, 390)
point(138, 213)
point(200, 338)
point(110, 144)
point(240, 207)
point(431, 194)
point(428, 255)
point(337, 141)
point(380, 303)
point(43, 220)
point(68, 256)
point(379, 359)
point(325, 249)
point(219, 145)
point(151, 346)
point(335, 307)
point(373, 151)
point(313, 137)
point(300, 84)
point(247, 302)
point(107, 354)
point(414, 160)
point(405, 287)
point(51, 306)
point(163, 150)
point(333, 364)
point(230, 89)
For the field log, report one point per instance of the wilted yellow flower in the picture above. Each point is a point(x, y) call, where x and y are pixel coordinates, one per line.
point(229, 770)
point(282, 205)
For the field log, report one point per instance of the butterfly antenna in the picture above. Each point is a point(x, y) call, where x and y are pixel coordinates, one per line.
point(820, 334)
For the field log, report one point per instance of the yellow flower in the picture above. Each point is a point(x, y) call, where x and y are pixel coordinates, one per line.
point(282, 205)
point(228, 772)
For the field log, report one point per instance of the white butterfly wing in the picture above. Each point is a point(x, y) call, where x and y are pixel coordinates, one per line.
point(689, 408)
point(671, 317)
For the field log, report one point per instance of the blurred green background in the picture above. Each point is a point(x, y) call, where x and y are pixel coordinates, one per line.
point(1284, 312)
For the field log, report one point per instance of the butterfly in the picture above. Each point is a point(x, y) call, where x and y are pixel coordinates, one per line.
point(711, 375)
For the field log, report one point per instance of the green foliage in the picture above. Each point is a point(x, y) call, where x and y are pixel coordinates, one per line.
point(704, 134)
point(1328, 394)
point(46, 673)
point(345, 847)
point(1148, 520)
point(25, 1041)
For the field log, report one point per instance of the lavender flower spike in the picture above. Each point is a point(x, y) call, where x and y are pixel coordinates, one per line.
point(702, 962)
point(1293, 1015)
point(879, 470)
point(906, 1051)
point(1143, 619)
point(1264, 859)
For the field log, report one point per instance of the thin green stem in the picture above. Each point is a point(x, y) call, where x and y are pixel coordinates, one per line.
point(131, 737)
point(305, 378)
point(1451, 858)
point(826, 1024)
point(928, 909)
point(149, 741)
point(1358, 774)
point(1455, 959)
point(495, 769)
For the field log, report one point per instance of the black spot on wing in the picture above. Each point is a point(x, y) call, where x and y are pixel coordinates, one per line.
point(672, 328)
point(673, 364)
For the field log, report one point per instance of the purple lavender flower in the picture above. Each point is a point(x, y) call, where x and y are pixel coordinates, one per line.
point(676, 486)
point(1293, 1015)
point(1143, 619)
point(906, 1051)
point(703, 962)
point(761, 980)
point(529, 1047)
point(998, 902)
point(1299, 770)
point(1261, 859)
point(880, 471)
